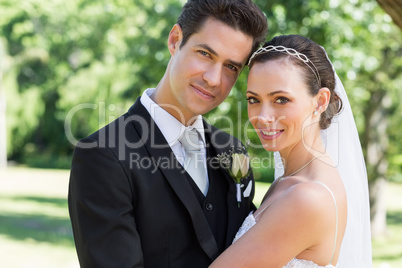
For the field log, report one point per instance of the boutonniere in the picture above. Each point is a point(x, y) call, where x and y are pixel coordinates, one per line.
point(237, 163)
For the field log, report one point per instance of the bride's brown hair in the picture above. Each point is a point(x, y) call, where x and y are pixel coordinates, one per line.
point(318, 71)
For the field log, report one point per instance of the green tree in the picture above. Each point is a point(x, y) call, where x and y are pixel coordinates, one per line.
point(101, 53)
point(3, 128)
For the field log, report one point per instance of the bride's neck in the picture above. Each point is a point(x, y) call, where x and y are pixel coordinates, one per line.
point(302, 152)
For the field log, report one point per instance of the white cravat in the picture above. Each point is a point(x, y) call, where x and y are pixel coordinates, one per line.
point(194, 159)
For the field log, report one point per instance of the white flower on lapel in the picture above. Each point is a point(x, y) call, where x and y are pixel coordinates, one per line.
point(237, 164)
point(240, 166)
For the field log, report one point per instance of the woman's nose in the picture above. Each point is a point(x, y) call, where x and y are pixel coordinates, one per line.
point(266, 119)
point(266, 115)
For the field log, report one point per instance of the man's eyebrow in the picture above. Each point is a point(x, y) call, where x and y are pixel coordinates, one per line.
point(213, 52)
point(210, 49)
point(239, 65)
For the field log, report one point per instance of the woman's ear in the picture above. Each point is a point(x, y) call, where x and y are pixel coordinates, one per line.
point(322, 100)
point(175, 38)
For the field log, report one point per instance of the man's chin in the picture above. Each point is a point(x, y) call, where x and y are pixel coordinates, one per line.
point(196, 111)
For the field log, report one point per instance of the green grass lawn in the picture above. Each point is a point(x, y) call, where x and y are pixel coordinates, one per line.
point(35, 230)
point(387, 250)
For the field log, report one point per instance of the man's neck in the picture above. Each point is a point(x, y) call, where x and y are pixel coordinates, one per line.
point(159, 98)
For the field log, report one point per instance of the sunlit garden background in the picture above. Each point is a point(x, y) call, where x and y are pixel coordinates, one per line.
point(68, 68)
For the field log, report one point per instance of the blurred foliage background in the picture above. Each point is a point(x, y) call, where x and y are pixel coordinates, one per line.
point(68, 68)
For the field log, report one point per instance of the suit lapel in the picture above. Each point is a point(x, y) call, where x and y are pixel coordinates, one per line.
point(158, 149)
point(221, 144)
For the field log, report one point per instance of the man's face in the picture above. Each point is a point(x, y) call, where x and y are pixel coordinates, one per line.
point(203, 71)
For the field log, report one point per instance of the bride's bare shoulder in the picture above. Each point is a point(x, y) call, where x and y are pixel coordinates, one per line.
point(307, 196)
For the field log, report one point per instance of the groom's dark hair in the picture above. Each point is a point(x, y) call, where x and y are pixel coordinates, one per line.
point(243, 15)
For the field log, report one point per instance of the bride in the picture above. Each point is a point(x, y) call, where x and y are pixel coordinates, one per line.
point(299, 108)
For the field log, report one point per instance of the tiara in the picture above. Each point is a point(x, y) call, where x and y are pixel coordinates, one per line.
point(289, 51)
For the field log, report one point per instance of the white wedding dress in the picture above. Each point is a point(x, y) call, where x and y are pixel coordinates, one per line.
point(250, 221)
point(343, 145)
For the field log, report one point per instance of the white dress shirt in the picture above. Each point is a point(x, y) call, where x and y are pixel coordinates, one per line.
point(171, 128)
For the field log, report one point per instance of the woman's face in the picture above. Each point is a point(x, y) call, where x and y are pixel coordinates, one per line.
point(280, 107)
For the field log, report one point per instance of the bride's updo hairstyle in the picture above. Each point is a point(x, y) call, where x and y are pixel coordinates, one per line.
point(315, 65)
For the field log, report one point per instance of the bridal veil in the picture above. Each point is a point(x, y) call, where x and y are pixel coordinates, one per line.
point(343, 145)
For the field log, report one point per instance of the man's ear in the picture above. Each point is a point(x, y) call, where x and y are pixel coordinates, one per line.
point(322, 99)
point(175, 38)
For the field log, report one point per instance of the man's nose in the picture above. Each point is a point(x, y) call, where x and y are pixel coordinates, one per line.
point(213, 76)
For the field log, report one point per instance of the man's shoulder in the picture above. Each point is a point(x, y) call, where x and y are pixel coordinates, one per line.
point(120, 130)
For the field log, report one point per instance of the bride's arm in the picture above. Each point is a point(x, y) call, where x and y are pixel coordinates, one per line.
point(296, 221)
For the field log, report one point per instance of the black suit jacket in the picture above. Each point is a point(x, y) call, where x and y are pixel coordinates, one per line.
point(131, 206)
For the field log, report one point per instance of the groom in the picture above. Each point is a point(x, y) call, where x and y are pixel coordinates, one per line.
point(135, 197)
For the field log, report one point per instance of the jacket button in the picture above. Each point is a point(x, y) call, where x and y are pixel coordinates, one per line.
point(209, 206)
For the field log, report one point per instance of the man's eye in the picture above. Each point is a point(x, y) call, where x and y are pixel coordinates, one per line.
point(206, 54)
point(232, 67)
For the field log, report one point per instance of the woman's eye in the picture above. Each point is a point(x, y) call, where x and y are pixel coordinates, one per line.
point(281, 100)
point(252, 100)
